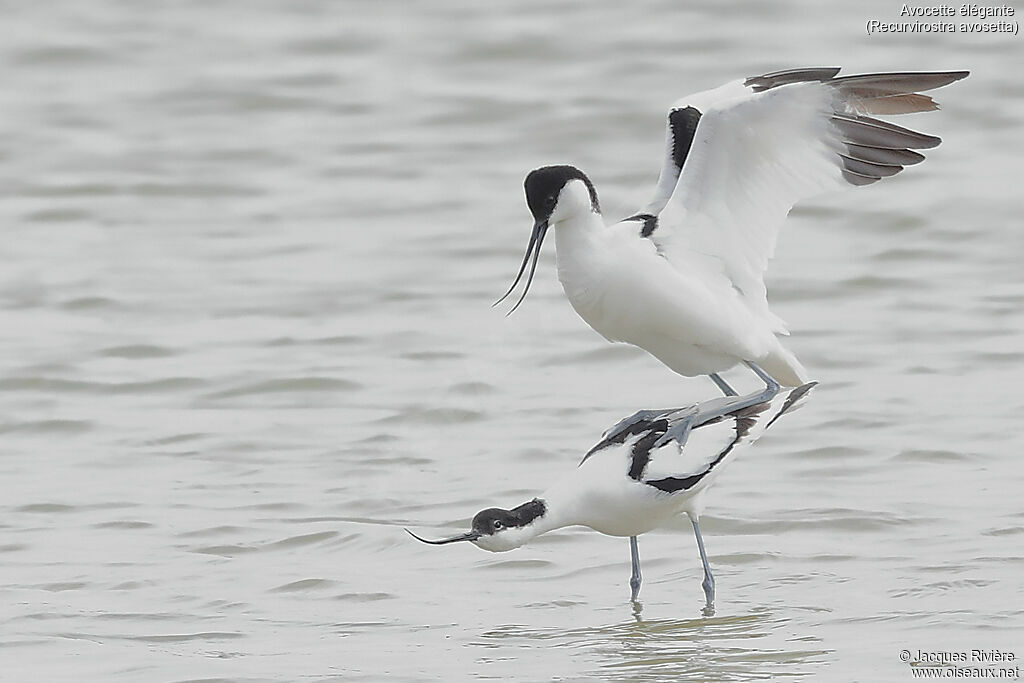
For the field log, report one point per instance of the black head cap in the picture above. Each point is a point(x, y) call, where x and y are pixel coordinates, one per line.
point(544, 184)
point(492, 520)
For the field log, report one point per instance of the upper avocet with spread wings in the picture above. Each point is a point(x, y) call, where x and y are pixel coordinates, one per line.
point(684, 277)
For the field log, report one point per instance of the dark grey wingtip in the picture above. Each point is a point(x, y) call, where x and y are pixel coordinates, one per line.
point(865, 130)
point(787, 76)
point(896, 82)
point(792, 399)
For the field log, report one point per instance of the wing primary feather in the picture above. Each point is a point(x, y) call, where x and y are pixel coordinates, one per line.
point(777, 78)
point(791, 400)
point(858, 178)
point(883, 155)
point(907, 103)
point(761, 145)
point(875, 85)
point(868, 168)
point(864, 130)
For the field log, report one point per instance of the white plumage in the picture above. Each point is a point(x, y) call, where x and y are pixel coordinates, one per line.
point(684, 277)
point(644, 472)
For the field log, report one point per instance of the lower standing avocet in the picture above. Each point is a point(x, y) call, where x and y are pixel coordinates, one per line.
point(646, 471)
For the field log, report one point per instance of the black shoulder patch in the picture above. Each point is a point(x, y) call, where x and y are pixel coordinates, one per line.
point(650, 223)
point(674, 484)
point(683, 123)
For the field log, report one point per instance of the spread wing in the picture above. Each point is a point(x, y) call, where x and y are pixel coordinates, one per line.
point(739, 157)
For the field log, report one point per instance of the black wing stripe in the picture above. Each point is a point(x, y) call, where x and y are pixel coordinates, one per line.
point(638, 427)
point(683, 123)
point(641, 453)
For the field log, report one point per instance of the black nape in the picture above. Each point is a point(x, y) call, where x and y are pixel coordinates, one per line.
point(493, 520)
point(543, 185)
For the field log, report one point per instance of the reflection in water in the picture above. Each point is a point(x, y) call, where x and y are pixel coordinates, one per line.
point(739, 647)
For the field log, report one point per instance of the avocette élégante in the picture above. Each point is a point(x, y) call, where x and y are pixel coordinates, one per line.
point(646, 471)
point(683, 278)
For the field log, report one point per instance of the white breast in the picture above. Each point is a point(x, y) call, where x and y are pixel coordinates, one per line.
point(618, 283)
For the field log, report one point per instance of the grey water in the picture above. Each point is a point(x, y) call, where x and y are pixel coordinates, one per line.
point(248, 256)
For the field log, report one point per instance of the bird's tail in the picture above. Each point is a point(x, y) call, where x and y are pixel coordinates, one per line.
point(784, 367)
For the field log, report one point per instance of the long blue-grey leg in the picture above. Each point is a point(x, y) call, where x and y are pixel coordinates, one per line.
point(708, 584)
point(765, 377)
point(723, 386)
point(717, 407)
point(639, 416)
point(635, 579)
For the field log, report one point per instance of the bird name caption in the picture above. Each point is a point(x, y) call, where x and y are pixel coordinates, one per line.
point(966, 18)
point(981, 663)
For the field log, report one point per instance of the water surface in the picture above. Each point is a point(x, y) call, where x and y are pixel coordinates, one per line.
point(249, 254)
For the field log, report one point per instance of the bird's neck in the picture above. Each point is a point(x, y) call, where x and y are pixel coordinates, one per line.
point(578, 240)
point(560, 510)
point(582, 256)
point(582, 228)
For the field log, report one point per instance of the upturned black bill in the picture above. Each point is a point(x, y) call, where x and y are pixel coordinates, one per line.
point(540, 228)
point(471, 536)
